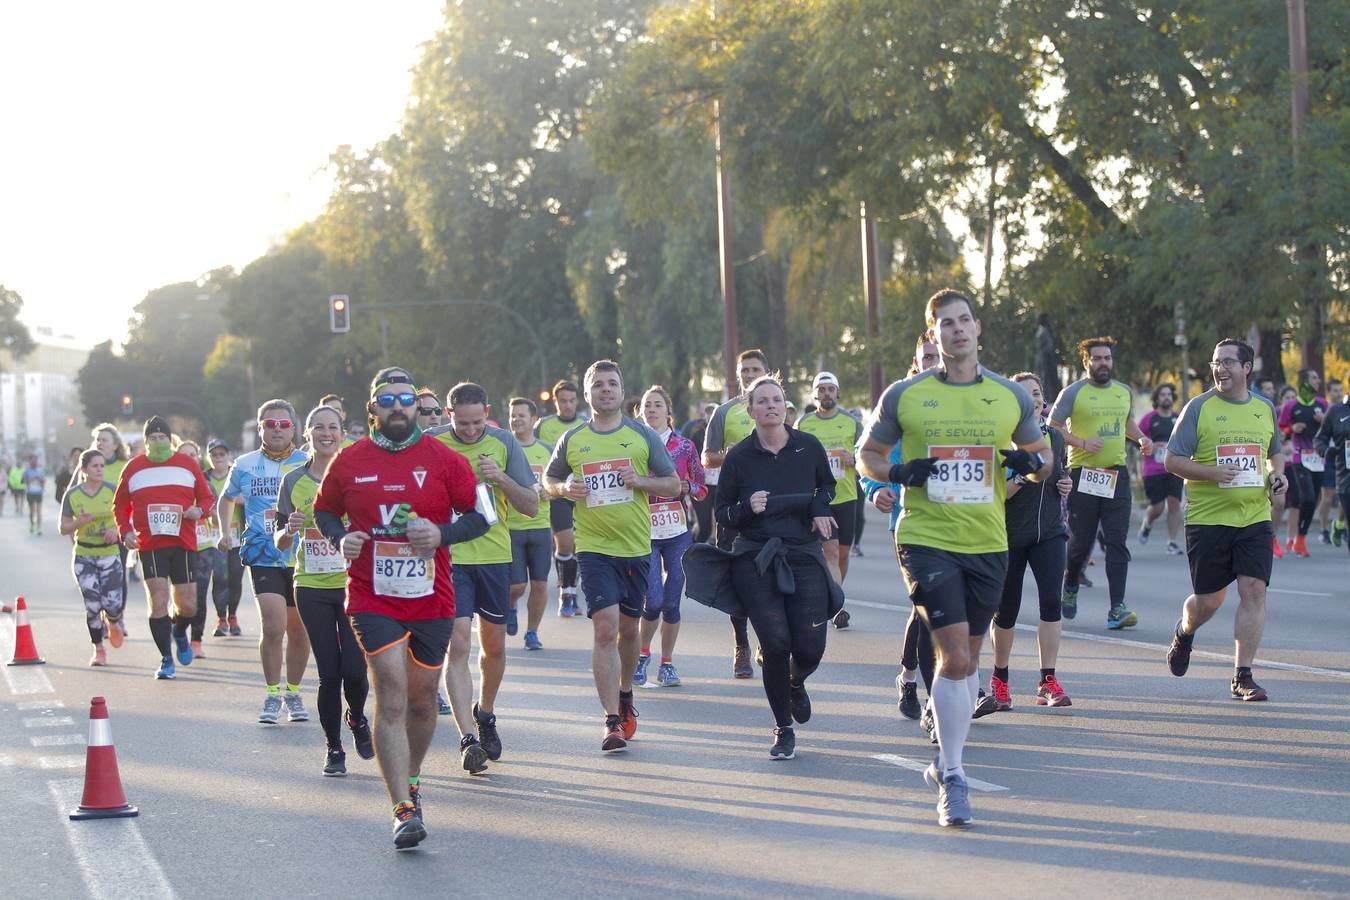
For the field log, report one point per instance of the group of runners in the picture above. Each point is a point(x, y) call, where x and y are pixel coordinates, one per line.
point(347, 539)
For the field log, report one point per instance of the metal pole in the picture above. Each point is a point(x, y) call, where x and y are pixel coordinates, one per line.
point(1314, 324)
point(728, 267)
point(872, 292)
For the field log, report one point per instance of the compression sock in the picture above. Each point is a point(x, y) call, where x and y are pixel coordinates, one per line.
point(973, 687)
point(181, 623)
point(161, 628)
point(1001, 673)
point(951, 711)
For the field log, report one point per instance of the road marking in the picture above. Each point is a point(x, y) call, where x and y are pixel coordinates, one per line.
point(22, 679)
point(112, 855)
point(61, 762)
point(1155, 648)
point(915, 766)
point(24, 705)
point(56, 740)
point(1271, 590)
point(48, 722)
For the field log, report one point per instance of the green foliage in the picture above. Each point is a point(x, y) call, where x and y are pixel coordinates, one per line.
point(14, 335)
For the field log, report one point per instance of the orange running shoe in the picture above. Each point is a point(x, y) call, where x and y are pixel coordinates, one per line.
point(1279, 551)
point(628, 715)
point(1301, 546)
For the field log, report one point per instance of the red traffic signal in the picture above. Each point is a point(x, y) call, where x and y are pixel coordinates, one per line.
point(339, 313)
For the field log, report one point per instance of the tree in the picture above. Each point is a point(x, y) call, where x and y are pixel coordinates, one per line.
point(14, 335)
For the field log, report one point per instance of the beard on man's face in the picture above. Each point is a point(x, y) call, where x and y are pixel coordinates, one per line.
point(397, 426)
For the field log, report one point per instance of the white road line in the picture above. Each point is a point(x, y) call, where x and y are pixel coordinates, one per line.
point(56, 740)
point(25, 705)
point(21, 679)
point(48, 721)
point(915, 766)
point(1153, 648)
point(112, 855)
point(1271, 590)
point(61, 762)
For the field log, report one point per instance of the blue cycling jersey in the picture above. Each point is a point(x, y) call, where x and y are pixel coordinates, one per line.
point(257, 480)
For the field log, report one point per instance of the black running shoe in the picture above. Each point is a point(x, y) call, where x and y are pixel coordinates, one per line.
point(335, 763)
point(408, 828)
point(841, 619)
point(784, 743)
point(984, 705)
point(487, 733)
point(1179, 654)
point(1246, 689)
point(801, 703)
point(909, 698)
point(365, 746)
point(472, 755)
point(614, 741)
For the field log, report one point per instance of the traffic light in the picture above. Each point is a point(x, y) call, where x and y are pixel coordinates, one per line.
point(339, 313)
point(128, 407)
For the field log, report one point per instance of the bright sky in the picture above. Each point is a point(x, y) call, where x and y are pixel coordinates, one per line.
point(149, 142)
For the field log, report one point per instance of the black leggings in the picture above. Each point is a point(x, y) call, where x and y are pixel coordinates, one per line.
point(919, 649)
point(790, 627)
point(337, 655)
point(1047, 560)
point(1086, 514)
point(1308, 491)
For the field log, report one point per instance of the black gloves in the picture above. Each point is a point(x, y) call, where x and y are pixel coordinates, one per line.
point(915, 472)
point(1022, 462)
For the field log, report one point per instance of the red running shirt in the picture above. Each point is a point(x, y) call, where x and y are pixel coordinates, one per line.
point(151, 498)
point(367, 484)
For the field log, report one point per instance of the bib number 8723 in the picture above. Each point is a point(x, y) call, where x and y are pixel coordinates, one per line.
point(392, 567)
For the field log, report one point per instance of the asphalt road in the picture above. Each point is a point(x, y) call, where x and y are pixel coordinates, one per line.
point(1147, 785)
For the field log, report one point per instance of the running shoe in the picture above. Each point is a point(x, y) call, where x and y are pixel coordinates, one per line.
point(1121, 617)
point(759, 656)
point(784, 743)
point(1246, 689)
point(1050, 693)
point(335, 763)
point(1179, 654)
point(1002, 696)
point(1337, 532)
point(953, 804)
point(640, 673)
point(1300, 546)
point(628, 715)
point(1173, 548)
point(512, 622)
point(235, 630)
point(295, 707)
point(614, 741)
point(564, 607)
point(932, 776)
point(532, 641)
point(222, 628)
point(801, 703)
point(415, 795)
point(1068, 602)
point(472, 756)
point(1083, 579)
point(666, 676)
point(442, 705)
point(116, 634)
point(740, 663)
point(856, 550)
point(165, 670)
point(985, 704)
point(1325, 537)
point(100, 657)
point(1143, 534)
point(408, 828)
point(271, 710)
point(184, 649)
point(841, 619)
point(1279, 551)
point(487, 733)
point(927, 724)
point(909, 698)
point(365, 746)
point(197, 650)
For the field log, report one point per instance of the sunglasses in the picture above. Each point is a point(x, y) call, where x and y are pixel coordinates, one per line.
point(387, 401)
point(276, 423)
point(429, 411)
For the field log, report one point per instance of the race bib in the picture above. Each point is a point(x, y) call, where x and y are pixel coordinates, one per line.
point(1247, 457)
point(1098, 482)
point(165, 519)
point(206, 532)
point(236, 535)
point(1159, 453)
point(321, 557)
point(269, 521)
point(836, 458)
point(710, 476)
point(400, 572)
point(485, 501)
point(602, 480)
point(1312, 462)
point(963, 475)
point(668, 519)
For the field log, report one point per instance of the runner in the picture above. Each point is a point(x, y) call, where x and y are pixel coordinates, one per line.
point(730, 423)
point(398, 489)
point(1300, 417)
point(429, 409)
point(87, 517)
point(952, 535)
point(1036, 537)
point(16, 488)
point(482, 573)
point(775, 490)
point(1095, 415)
point(34, 485)
point(550, 430)
point(1224, 444)
point(254, 482)
point(70, 469)
point(108, 441)
point(320, 588)
point(227, 571)
point(839, 433)
point(671, 536)
point(1163, 489)
point(609, 468)
point(1265, 386)
point(1332, 529)
point(158, 501)
point(200, 559)
point(531, 544)
point(1333, 443)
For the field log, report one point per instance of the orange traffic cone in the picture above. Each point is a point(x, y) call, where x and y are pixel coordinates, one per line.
point(5, 607)
point(25, 651)
point(103, 797)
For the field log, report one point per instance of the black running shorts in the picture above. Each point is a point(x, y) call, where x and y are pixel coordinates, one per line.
point(273, 580)
point(173, 563)
point(426, 639)
point(1218, 554)
point(951, 588)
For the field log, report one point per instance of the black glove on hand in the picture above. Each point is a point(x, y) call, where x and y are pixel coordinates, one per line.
point(915, 472)
point(1022, 462)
